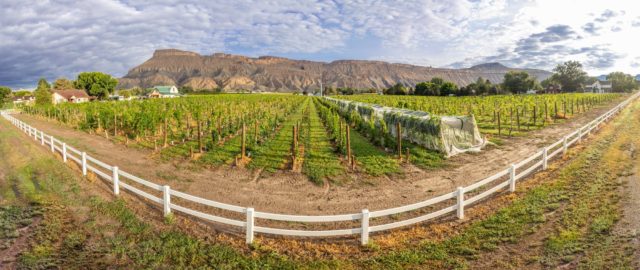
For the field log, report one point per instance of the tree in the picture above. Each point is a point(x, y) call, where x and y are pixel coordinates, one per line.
point(397, 89)
point(570, 76)
point(125, 93)
point(448, 88)
point(426, 89)
point(517, 82)
point(621, 82)
point(5, 94)
point(43, 92)
point(62, 84)
point(22, 93)
point(96, 83)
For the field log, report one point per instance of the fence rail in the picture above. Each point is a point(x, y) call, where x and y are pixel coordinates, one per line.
point(513, 173)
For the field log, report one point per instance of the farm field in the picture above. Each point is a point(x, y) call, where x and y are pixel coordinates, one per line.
point(68, 221)
point(278, 133)
point(500, 115)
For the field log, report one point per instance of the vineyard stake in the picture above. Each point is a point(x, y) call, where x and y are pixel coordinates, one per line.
point(399, 139)
point(348, 143)
point(244, 138)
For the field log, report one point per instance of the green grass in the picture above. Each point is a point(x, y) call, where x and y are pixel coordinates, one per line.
point(370, 158)
point(320, 160)
point(272, 155)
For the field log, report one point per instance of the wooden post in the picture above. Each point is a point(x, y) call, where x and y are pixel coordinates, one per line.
point(115, 125)
point(255, 133)
point(244, 140)
point(499, 130)
point(399, 139)
point(408, 155)
point(348, 143)
point(166, 132)
point(199, 136)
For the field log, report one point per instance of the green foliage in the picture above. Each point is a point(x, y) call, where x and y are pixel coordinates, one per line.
point(397, 89)
point(622, 82)
point(62, 84)
point(125, 93)
point(96, 84)
point(570, 75)
point(5, 94)
point(43, 93)
point(436, 87)
point(518, 82)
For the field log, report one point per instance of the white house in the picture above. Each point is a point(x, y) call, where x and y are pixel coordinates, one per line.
point(164, 92)
point(73, 96)
point(599, 87)
point(27, 100)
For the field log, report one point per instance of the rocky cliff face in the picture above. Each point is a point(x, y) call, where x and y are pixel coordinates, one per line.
point(268, 73)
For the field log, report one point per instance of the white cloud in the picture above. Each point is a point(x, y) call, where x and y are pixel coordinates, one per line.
point(62, 37)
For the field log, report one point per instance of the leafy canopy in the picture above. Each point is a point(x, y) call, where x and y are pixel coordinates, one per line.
point(621, 82)
point(62, 84)
point(5, 94)
point(96, 83)
point(518, 82)
point(43, 92)
point(570, 76)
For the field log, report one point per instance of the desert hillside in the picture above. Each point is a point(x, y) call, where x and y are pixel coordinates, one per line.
point(268, 73)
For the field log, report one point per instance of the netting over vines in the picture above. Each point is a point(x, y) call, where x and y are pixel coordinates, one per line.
point(450, 135)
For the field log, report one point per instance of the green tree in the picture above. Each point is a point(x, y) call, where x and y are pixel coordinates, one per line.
point(517, 82)
point(43, 93)
point(22, 93)
point(621, 82)
point(5, 94)
point(62, 84)
point(426, 89)
point(96, 83)
point(397, 89)
point(570, 76)
point(448, 88)
point(125, 93)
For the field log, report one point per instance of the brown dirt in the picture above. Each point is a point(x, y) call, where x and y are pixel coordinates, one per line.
point(291, 193)
point(628, 227)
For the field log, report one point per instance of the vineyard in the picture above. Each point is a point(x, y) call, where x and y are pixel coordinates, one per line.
point(310, 135)
point(509, 115)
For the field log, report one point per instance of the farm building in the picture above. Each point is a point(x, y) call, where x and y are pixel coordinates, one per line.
point(164, 91)
point(27, 100)
point(599, 87)
point(71, 95)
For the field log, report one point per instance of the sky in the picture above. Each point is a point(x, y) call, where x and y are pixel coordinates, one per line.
point(61, 38)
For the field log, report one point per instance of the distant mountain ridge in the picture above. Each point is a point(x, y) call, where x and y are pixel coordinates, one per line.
point(271, 73)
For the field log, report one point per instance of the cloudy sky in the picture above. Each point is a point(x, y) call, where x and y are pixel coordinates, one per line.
point(61, 38)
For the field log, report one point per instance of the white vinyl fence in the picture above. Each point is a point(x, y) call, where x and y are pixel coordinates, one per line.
point(506, 178)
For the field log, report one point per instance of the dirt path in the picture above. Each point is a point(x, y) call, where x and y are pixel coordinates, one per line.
point(292, 193)
point(629, 225)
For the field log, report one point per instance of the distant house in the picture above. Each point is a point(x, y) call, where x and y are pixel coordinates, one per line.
point(531, 92)
point(552, 89)
point(164, 91)
point(26, 100)
point(599, 87)
point(71, 95)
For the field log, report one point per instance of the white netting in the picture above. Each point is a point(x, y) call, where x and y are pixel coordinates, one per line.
point(447, 134)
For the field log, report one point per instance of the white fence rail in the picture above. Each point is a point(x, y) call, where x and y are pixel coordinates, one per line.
point(508, 178)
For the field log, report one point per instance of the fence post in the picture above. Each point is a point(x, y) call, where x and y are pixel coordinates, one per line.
point(116, 181)
point(84, 163)
point(512, 178)
point(564, 146)
point(460, 202)
point(166, 199)
point(42, 137)
point(364, 236)
point(579, 135)
point(64, 152)
point(53, 149)
point(35, 134)
point(250, 223)
point(545, 160)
